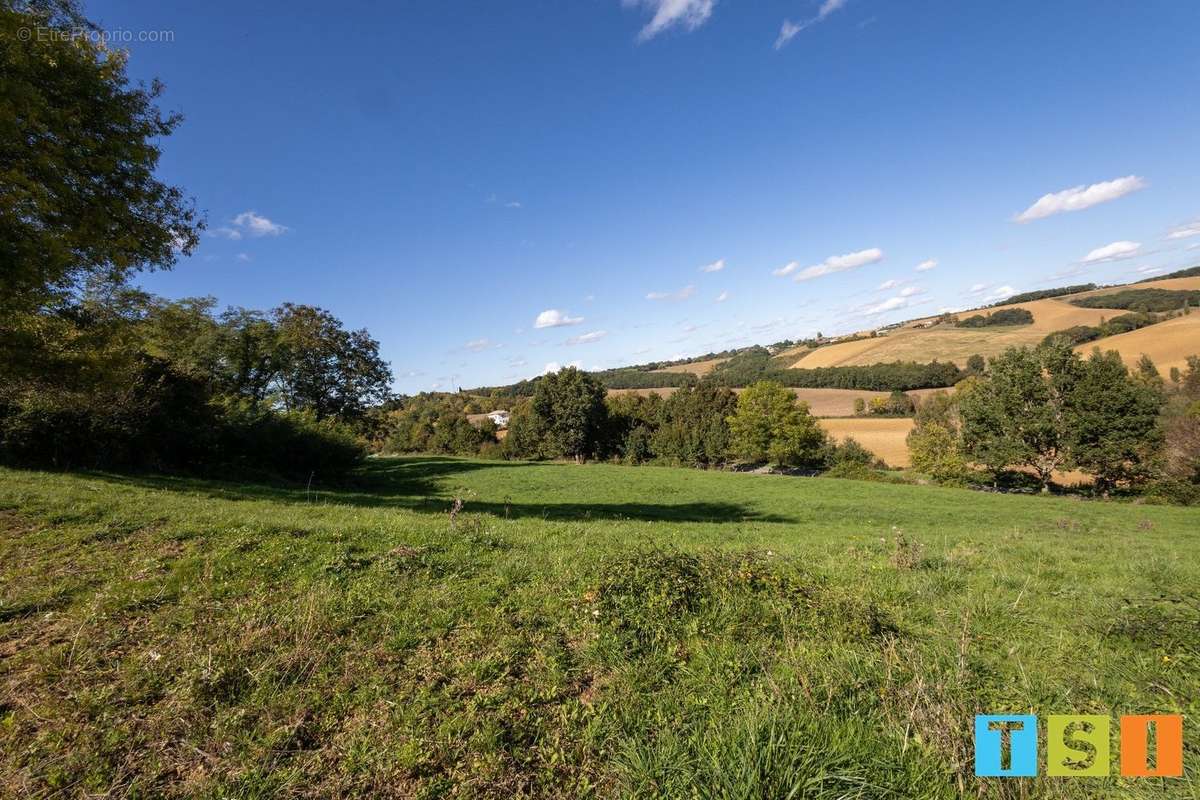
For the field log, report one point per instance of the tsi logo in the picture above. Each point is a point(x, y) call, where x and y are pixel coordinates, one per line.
point(1006, 745)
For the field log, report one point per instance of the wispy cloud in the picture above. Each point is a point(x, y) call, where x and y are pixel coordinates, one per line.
point(1185, 231)
point(687, 14)
point(832, 264)
point(553, 318)
point(1002, 293)
point(789, 29)
point(587, 338)
point(787, 32)
point(1112, 252)
point(722, 297)
point(243, 257)
point(891, 304)
point(715, 266)
point(926, 265)
point(479, 345)
point(910, 291)
point(249, 223)
point(682, 294)
point(255, 224)
point(1078, 198)
point(891, 283)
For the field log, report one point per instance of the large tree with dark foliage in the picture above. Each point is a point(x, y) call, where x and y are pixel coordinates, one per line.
point(568, 408)
point(78, 150)
point(1113, 423)
point(1018, 414)
point(324, 368)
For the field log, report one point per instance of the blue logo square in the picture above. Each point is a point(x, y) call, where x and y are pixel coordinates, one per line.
point(1006, 745)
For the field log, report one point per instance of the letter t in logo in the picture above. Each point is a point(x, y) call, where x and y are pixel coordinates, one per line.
point(1005, 745)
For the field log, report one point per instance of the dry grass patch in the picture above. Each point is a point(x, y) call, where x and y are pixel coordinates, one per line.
point(695, 367)
point(1168, 343)
point(885, 437)
point(948, 343)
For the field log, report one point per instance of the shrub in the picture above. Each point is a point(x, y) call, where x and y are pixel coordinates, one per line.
point(1008, 316)
point(293, 444)
point(1173, 491)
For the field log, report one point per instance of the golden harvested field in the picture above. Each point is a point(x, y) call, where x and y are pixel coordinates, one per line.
point(821, 402)
point(1168, 343)
point(947, 343)
point(1176, 284)
point(882, 436)
point(696, 367)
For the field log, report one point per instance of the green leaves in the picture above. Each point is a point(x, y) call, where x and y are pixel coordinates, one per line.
point(769, 426)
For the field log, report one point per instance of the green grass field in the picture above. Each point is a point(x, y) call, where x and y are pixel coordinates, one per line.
point(574, 631)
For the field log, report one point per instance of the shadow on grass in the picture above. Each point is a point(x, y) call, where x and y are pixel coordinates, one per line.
point(415, 484)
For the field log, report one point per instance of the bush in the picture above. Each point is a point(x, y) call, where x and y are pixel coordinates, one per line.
point(1009, 316)
point(1173, 491)
point(293, 444)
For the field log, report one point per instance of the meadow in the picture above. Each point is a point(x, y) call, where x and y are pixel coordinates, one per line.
point(445, 627)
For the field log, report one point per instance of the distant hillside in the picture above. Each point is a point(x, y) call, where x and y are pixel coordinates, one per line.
point(931, 351)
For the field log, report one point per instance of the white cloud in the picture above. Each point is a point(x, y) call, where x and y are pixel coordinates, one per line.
point(689, 14)
point(1185, 231)
point(253, 224)
point(722, 297)
point(513, 204)
point(1002, 293)
point(927, 265)
point(1078, 198)
point(891, 304)
point(228, 233)
point(715, 266)
point(553, 318)
point(554, 366)
point(789, 29)
point(832, 264)
point(888, 284)
point(1147, 270)
point(1112, 252)
point(909, 291)
point(786, 32)
point(587, 338)
point(682, 294)
point(243, 257)
point(478, 345)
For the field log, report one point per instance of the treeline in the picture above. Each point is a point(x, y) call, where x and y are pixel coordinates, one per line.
point(1144, 300)
point(1043, 294)
point(122, 379)
point(700, 425)
point(1008, 316)
point(1081, 334)
point(757, 364)
point(1046, 410)
point(1190, 272)
point(96, 374)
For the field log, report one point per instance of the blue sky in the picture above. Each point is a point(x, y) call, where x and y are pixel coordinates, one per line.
point(451, 174)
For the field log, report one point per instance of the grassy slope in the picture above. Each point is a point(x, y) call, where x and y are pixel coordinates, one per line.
point(579, 631)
